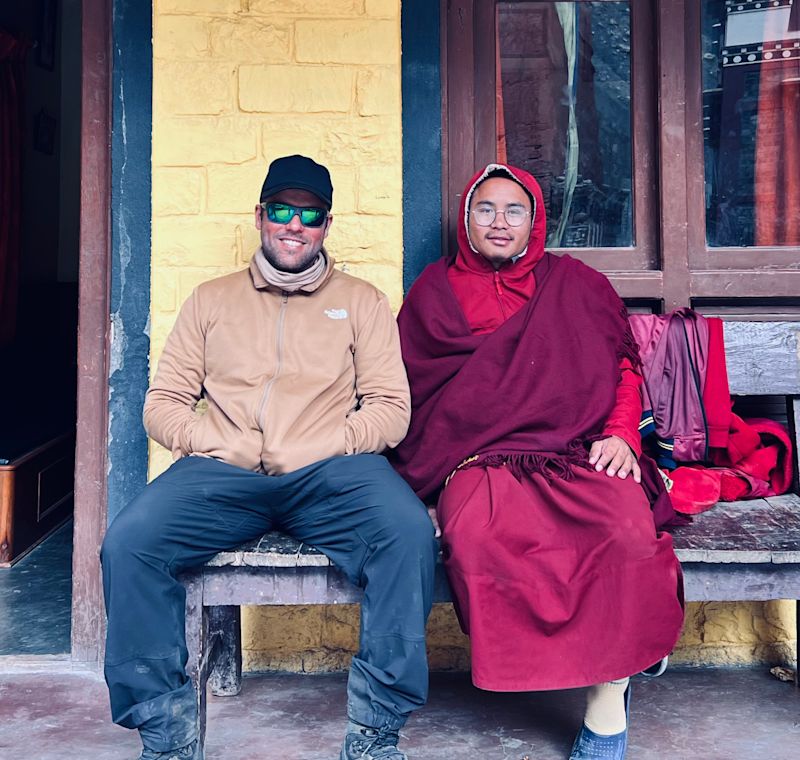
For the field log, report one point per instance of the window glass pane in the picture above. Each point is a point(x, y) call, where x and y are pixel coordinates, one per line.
point(751, 127)
point(564, 114)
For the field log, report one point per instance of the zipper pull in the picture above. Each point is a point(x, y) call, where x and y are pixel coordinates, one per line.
point(498, 284)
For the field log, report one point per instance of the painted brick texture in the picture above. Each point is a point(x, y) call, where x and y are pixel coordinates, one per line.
point(239, 82)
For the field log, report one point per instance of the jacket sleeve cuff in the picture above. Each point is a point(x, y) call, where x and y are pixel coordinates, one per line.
point(182, 445)
point(349, 444)
point(634, 441)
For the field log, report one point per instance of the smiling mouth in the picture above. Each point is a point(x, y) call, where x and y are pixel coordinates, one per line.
point(291, 242)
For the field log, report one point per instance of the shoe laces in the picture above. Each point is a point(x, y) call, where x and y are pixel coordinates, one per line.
point(379, 743)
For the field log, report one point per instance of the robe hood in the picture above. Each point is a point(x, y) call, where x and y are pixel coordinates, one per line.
point(468, 258)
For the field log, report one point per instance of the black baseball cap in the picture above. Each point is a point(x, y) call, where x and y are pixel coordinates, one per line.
point(298, 173)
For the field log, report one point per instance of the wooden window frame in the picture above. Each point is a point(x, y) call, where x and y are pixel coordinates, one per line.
point(670, 262)
point(704, 259)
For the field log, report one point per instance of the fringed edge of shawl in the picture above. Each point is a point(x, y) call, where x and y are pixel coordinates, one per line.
point(551, 466)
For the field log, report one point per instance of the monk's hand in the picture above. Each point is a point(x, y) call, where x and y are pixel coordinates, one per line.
point(614, 456)
point(437, 531)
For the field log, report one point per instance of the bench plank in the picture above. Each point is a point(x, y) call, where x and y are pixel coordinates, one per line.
point(763, 358)
point(703, 582)
point(271, 550)
point(290, 586)
point(754, 531)
point(761, 530)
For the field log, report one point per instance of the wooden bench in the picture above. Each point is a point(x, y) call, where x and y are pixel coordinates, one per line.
point(36, 493)
point(739, 551)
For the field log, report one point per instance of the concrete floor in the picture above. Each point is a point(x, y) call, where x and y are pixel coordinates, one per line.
point(35, 598)
point(708, 714)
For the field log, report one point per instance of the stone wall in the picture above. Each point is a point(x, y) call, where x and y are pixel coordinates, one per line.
point(239, 82)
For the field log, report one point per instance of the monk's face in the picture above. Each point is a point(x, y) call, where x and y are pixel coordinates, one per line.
point(506, 235)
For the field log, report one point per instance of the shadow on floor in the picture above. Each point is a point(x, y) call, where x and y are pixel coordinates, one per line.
point(684, 715)
point(35, 598)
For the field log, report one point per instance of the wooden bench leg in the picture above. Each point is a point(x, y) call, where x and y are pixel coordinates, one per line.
point(793, 409)
point(225, 626)
point(198, 645)
point(793, 413)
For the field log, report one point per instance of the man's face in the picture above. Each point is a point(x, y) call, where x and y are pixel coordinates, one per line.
point(292, 247)
point(499, 241)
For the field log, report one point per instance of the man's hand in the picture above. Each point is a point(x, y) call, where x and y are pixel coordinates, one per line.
point(437, 531)
point(614, 456)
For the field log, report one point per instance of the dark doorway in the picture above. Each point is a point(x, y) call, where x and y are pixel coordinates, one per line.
point(38, 350)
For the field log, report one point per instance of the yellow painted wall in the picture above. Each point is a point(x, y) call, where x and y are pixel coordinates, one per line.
point(307, 640)
point(239, 82)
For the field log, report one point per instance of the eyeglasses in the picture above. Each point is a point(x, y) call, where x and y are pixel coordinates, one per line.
point(485, 215)
point(283, 213)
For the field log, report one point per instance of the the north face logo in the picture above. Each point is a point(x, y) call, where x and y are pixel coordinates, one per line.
point(336, 313)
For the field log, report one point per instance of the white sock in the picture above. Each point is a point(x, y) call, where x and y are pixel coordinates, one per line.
point(605, 707)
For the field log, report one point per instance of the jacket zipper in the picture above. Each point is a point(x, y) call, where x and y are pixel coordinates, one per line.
point(279, 365)
point(498, 289)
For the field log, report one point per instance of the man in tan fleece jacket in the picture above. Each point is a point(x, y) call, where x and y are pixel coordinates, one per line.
point(299, 365)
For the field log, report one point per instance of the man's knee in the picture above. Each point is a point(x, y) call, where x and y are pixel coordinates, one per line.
point(402, 517)
point(408, 532)
point(419, 527)
point(130, 532)
point(117, 545)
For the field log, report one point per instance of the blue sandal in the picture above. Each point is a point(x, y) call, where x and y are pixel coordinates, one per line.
point(591, 746)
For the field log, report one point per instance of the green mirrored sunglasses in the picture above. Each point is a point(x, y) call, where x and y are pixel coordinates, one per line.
point(283, 213)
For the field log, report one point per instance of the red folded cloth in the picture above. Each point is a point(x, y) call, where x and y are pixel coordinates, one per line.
point(694, 489)
point(756, 463)
point(760, 448)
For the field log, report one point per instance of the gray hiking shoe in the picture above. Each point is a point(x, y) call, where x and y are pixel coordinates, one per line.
point(364, 743)
point(189, 752)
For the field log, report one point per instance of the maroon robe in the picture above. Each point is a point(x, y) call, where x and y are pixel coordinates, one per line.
point(558, 573)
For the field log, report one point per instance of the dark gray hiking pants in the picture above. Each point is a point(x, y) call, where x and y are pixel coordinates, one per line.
point(355, 509)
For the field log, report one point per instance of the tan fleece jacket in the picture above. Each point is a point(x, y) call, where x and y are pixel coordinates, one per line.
point(289, 378)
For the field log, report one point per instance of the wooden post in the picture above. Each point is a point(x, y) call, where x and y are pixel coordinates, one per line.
point(88, 620)
point(224, 625)
point(196, 644)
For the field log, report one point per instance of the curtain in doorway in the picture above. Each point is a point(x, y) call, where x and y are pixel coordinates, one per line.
point(563, 100)
point(12, 125)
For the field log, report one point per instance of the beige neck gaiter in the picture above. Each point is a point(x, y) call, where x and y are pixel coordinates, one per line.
point(291, 281)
